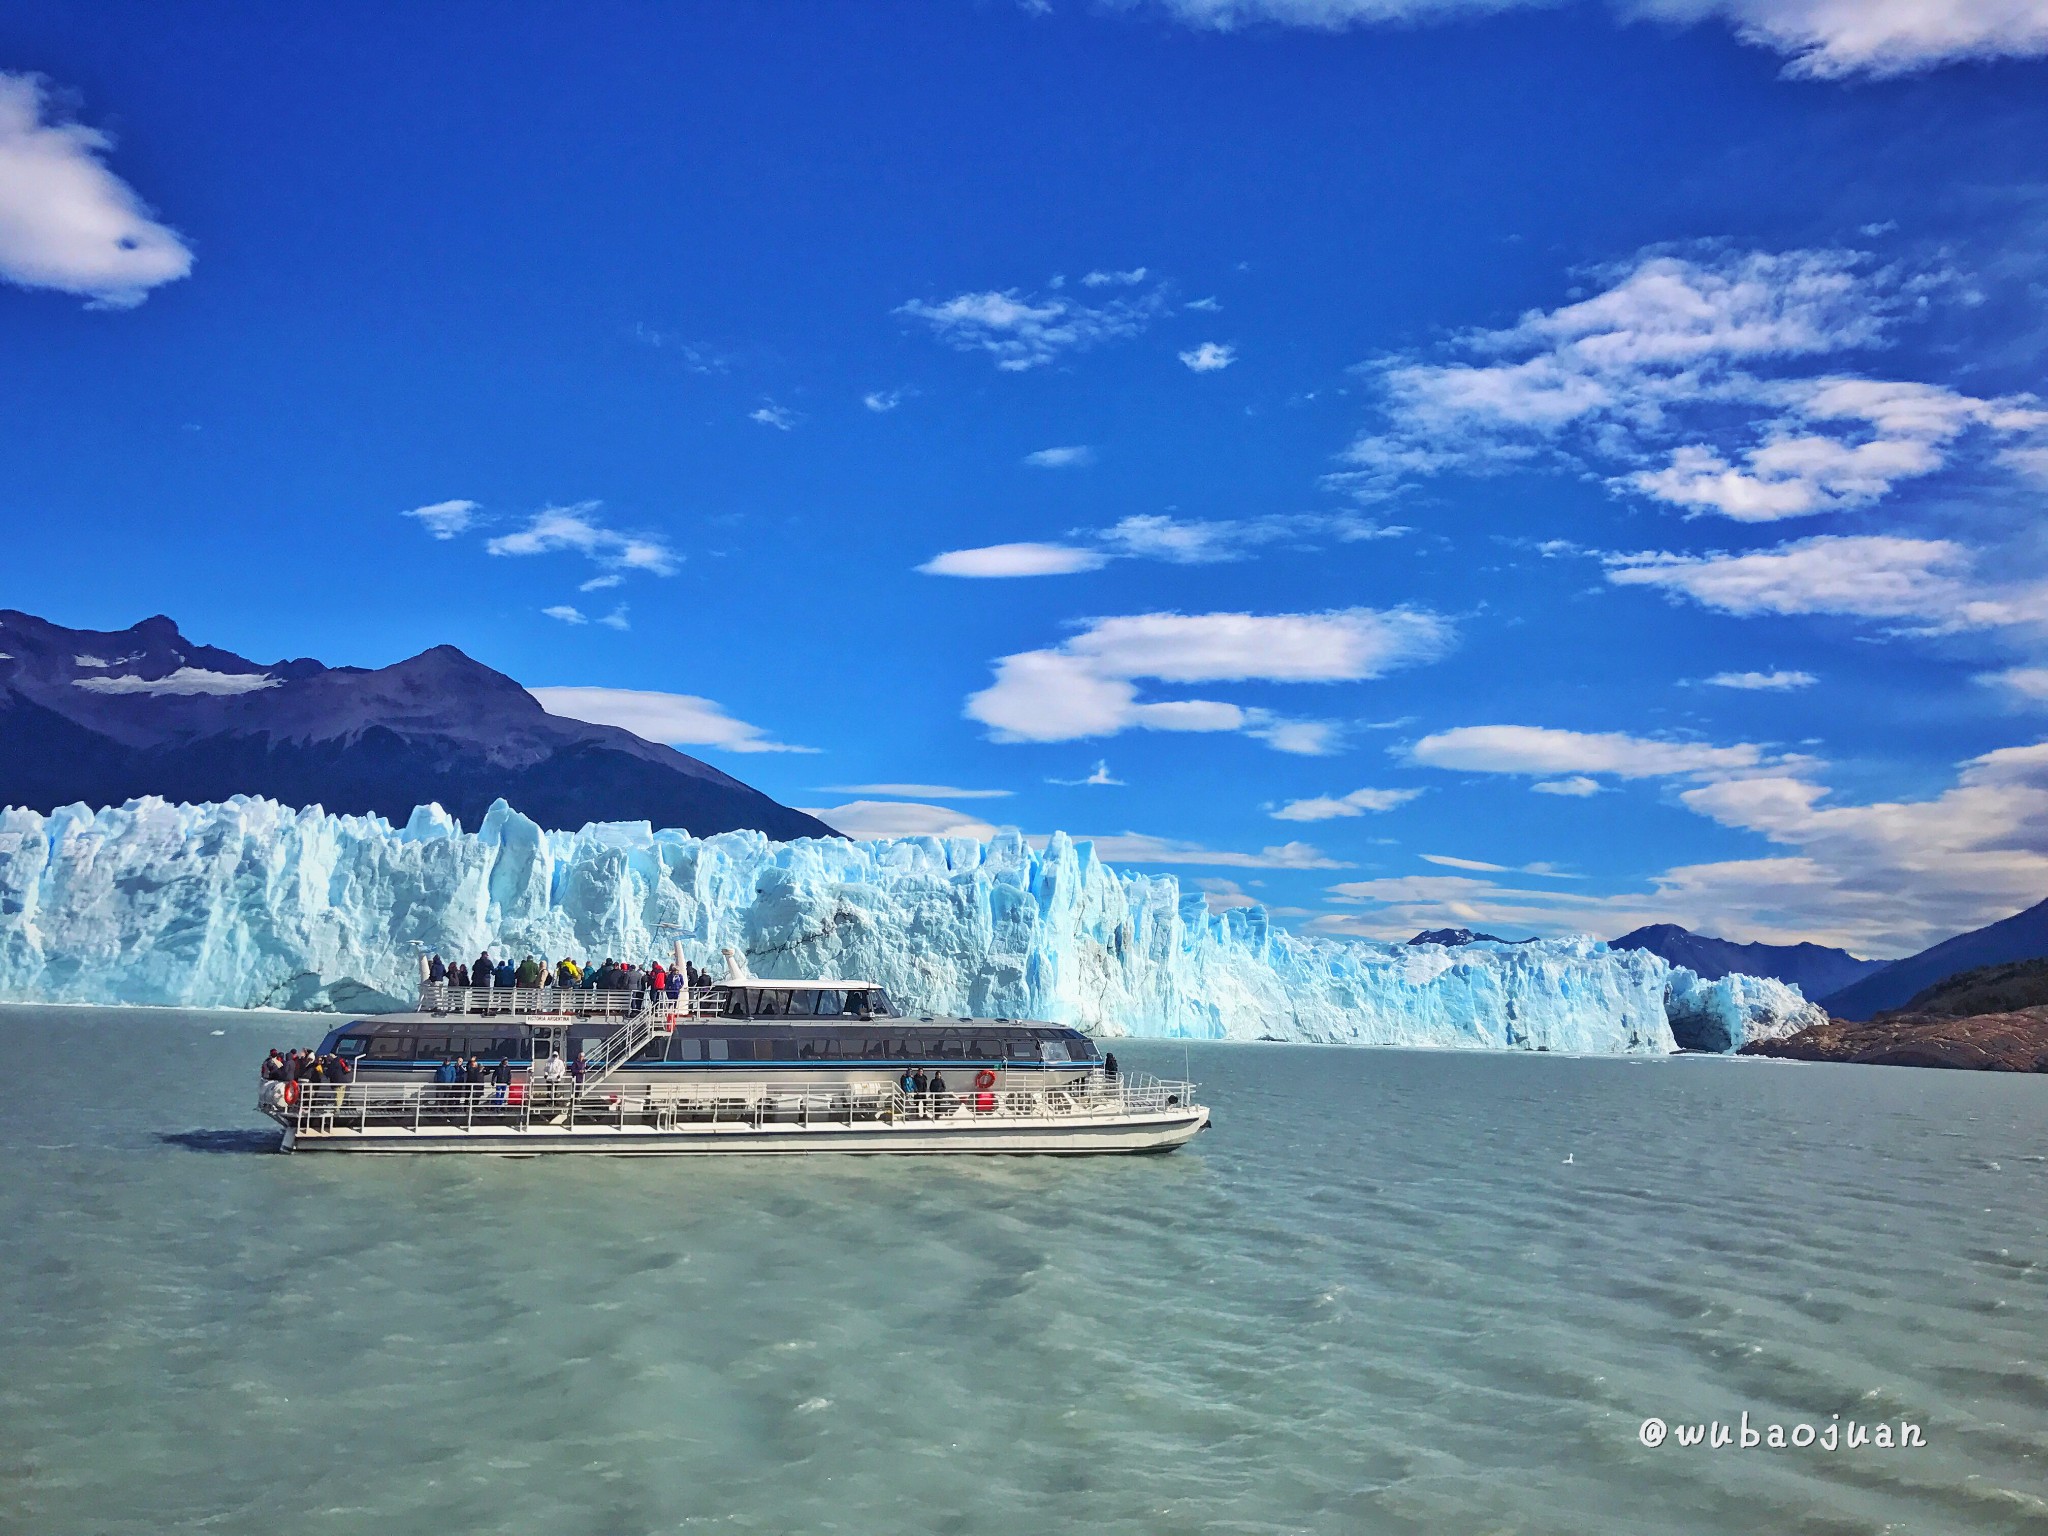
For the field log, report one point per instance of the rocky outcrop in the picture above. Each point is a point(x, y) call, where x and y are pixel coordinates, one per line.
point(1984, 1042)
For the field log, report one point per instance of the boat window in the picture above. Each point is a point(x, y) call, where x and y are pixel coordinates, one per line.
point(714, 1050)
point(653, 1051)
point(1082, 1048)
point(1054, 1051)
point(831, 1002)
point(988, 1048)
point(1021, 1048)
point(803, 1003)
point(876, 1047)
point(391, 1048)
point(771, 1004)
point(735, 1004)
point(680, 1049)
point(874, 1001)
point(434, 1046)
point(353, 1046)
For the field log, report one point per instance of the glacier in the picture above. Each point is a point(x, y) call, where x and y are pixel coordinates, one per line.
point(248, 903)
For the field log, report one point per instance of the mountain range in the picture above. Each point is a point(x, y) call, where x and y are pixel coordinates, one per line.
point(2023, 936)
point(1815, 969)
point(107, 716)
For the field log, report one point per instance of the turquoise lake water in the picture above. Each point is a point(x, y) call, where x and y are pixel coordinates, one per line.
point(1375, 1298)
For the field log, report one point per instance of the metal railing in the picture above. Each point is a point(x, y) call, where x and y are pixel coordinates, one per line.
point(525, 1104)
point(581, 1002)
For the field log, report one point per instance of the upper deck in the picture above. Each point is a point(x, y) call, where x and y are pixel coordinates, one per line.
point(795, 1002)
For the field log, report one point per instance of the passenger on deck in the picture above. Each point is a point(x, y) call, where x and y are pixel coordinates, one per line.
point(1109, 1066)
point(911, 1082)
point(339, 1071)
point(501, 1079)
point(480, 970)
point(474, 1075)
point(436, 971)
point(941, 1104)
point(449, 1071)
point(568, 973)
point(577, 1067)
point(273, 1066)
point(528, 974)
point(657, 978)
point(675, 984)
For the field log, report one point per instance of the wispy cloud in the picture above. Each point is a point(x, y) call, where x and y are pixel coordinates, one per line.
point(882, 401)
point(1155, 536)
point(566, 614)
point(1139, 848)
point(679, 719)
point(1358, 803)
point(1821, 39)
point(1881, 576)
point(887, 819)
point(1087, 686)
point(1541, 751)
point(1781, 681)
point(445, 519)
point(780, 417)
point(1004, 560)
point(1023, 332)
point(1075, 456)
point(1129, 279)
point(66, 221)
point(1642, 380)
point(1099, 776)
point(616, 619)
point(577, 528)
point(1209, 357)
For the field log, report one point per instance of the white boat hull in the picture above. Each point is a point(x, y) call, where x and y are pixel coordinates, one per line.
point(1147, 1131)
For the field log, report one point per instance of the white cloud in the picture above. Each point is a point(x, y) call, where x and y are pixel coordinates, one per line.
point(1209, 357)
point(1535, 749)
point(601, 583)
point(445, 519)
point(1078, 456)
point(679, 719)
point(1763, 682)
point(1015, 560)
point(780, 417)
point(1129, 279)
point(900, 818)
point(1138, 848)
point(616, 619)
point(919, 791)
point(1656, 378)
point(1869, 576)
point(186, 680)
point(882, 400)
point(575, 527)
point(1481, 867)
point(566, 613)
point(1357, 803)
point(1023, 332)
point(1831, 39)
point(1100, 776)
point(2030, 683)
point(1086, 686)
point(1578, 786)
point(66, 221)
point(1823, 39)
point(1207, 306)
point(1220, 895)
point(1155, 536)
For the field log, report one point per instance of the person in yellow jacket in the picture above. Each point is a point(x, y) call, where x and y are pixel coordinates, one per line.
point(568, 974)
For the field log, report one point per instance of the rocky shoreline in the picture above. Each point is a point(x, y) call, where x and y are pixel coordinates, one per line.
point(1983, 1042)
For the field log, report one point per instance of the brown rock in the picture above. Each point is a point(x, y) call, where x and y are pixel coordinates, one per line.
point(1984, 1042)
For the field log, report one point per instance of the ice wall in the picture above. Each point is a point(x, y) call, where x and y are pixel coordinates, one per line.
point(249, 903)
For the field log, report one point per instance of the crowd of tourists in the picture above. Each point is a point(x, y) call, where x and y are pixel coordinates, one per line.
point(591, 976)
point(284, 1073)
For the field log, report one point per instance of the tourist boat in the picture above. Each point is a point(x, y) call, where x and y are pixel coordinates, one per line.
point(746, 1065)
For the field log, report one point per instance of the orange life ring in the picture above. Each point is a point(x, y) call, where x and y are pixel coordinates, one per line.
point(291, 1091)
point(984, 1079)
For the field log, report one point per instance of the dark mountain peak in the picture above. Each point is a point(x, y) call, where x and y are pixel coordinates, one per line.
point(2023, 936)
point(1451, 938)
point(106, 716)
point(1813, 968)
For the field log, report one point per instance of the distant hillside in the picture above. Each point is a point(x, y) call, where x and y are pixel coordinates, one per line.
point(2023, 936)
point(106, 716)
point(1814, 969)
point(1451, 938)
point(1988, 989)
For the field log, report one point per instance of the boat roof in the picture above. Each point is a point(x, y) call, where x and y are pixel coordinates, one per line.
point(800, 986)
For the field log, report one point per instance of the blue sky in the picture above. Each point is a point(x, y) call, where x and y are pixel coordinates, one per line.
point(1546, 468)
